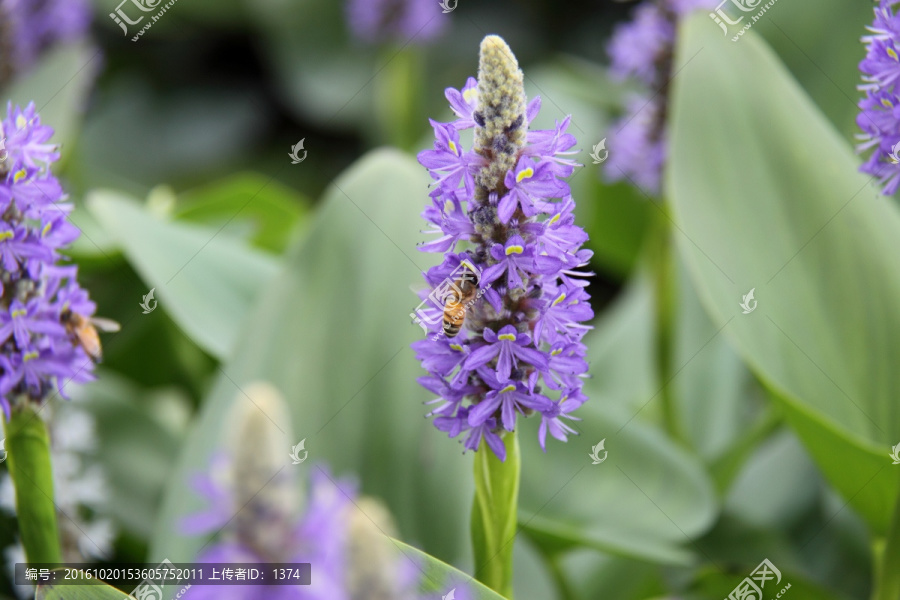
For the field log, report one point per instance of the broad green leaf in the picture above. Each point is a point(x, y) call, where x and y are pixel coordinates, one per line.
point(823, 58)
point(272, 210)
point(712, 386)
point(438, 576)
point(95, 246)
point(79, 592)
point(646, 500)
point(620, 349)
point(777, 485)
point(559, 537)
point(332, 333)
point(205, 281)
point(59, 86)
point(768, 198)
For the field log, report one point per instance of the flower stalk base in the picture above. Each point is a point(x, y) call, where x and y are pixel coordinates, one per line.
point(494, 515)
point(28, 448)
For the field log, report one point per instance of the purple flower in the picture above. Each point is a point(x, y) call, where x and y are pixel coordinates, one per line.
point(552, 418)
point(463, 103)
point(563, 317)
point(879, 116)
point(508, 347)
point(449, 221)
point(38, 297)
point(515, 258)
point(506, 200)
point(485, 430)
point(553, 145)
point(34, 25)
point(447, 163)
point(515, 397)
point(644, 49)
point(528, 185)
point(401, 21)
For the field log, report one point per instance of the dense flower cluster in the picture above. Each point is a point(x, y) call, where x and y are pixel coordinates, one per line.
point(38, 296)
point(29, 26)
point(507, 203)
point(402, 21)
point(643, 49)
point(879, 116)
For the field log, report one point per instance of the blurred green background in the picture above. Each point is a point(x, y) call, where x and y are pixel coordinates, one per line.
point(175, 149)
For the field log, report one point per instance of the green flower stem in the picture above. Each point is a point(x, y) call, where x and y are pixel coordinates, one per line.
point(28, 457)
point(887, 571)
point(665, 290)
point(397, 97)
point(494, 515)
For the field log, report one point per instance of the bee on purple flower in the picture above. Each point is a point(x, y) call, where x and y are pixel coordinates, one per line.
point(507, 204)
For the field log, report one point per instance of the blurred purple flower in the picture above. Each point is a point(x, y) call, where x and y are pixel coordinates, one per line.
point(643, 49)
point(338, 532)
point(316, 536)
point(515, 216)
point(879, 116)
point(34, 25)
point(38, 296)
point(400, 21)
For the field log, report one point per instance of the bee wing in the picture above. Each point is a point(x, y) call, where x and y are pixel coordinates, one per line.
point(105, 324)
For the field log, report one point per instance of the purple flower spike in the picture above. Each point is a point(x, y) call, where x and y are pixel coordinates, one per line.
point(40, 301)
point(644, 49)
point(513, 310)
point(879, 116)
